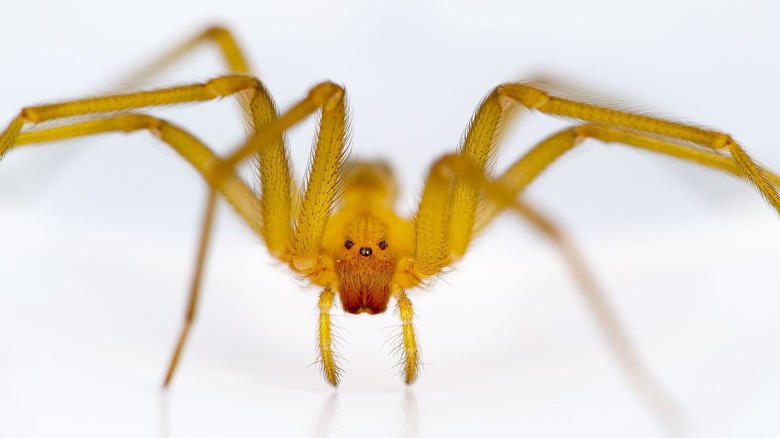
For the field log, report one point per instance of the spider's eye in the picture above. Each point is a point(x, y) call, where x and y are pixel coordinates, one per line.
point(348, 244)
point(382, 245)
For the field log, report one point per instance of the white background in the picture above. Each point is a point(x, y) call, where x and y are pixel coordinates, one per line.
point(97, 236)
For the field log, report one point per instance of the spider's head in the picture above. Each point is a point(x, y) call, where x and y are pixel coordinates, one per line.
point(365, 266)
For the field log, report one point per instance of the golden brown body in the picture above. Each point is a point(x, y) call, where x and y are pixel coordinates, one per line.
point(355, 245)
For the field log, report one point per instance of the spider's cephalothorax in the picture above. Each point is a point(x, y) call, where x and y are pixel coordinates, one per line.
point(367, 238)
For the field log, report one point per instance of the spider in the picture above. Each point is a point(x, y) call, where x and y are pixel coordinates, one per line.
point(339, 231)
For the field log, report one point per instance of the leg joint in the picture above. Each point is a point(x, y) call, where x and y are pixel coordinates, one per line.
point(528, 95)
point(327, 95)
point(227, 85)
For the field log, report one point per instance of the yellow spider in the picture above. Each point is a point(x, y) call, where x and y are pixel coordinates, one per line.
point(339, 231)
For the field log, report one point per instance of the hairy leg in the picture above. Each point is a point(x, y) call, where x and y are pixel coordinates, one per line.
point(195, 285)
point(200, 157)
point(259, 110)
point(611, 328)
point(486, 129)
point(330, 367)
point(302, 253)
point(525, 170)
point(203, 160)
point(480, 144)
point(410, 353)
point(213, 89)
point(219, 174)
point(224, 40)
point(504, 198)
point(543, 101)
point(318, 196)
point(274, 164)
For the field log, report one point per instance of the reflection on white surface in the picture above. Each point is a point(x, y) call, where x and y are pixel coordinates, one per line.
point(325, 419)
point(86, 341)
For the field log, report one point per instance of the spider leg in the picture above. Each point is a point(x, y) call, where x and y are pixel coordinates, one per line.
point(216, 88)
point(521, 173)
point(445, 217)
point(195, 285)
point(236, 192)
point(529, 167)
point(486, 128)
point(274, 168)
point(275, 200)
point(330, 367)
point(450, 212)
point(231, 53)
point(265, 142)
point(503, 196)
point(445, 229)
point(540, 100)
point(644, 383)
point(302, 251)
point(479, 146)
point(319, 194)
point(432, 229)
point(410, 352)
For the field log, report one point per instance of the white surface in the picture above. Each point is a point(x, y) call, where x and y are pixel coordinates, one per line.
point(97, 236)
